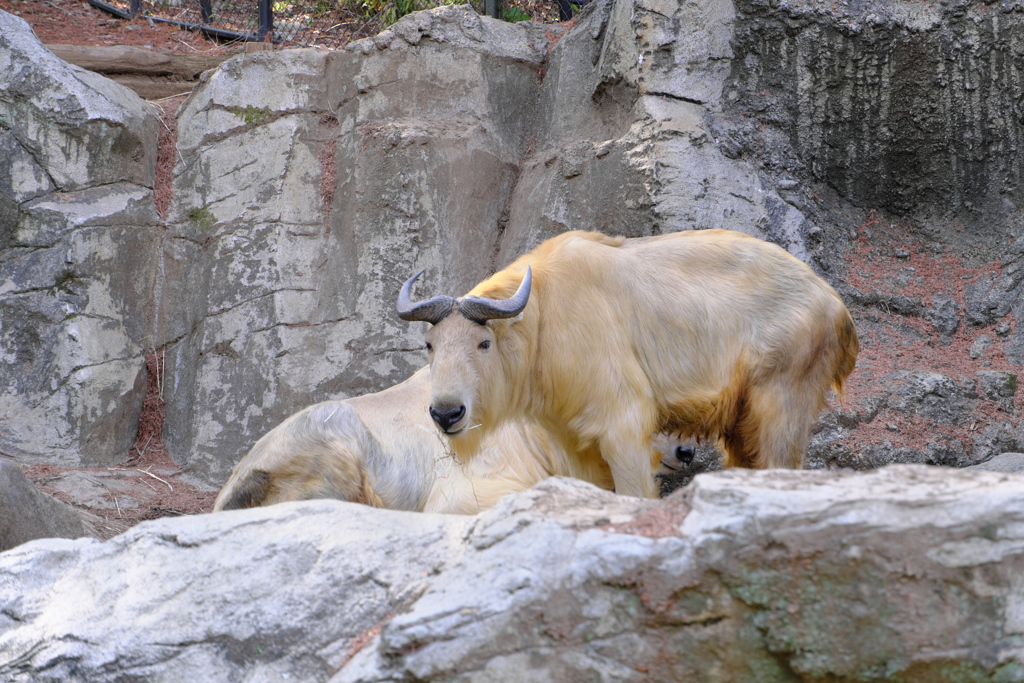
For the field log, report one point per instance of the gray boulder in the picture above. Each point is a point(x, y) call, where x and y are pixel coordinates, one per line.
point(998, 385)
point(930, 394)
point(79, 248)
point(742, 576)
point(1010, 463)
point(27, 513)
point(944, 314)
point(68, 128)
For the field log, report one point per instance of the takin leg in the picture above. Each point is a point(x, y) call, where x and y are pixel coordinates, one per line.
point(773, 424)
point(631, 458)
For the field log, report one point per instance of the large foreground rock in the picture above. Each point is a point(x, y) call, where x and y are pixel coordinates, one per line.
point(907, 573)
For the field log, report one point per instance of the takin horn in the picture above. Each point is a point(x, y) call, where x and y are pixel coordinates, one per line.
point(480, 309)
point(432, 311)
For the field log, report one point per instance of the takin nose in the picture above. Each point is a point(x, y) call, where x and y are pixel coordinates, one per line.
point(684, 455)
point(446, 418)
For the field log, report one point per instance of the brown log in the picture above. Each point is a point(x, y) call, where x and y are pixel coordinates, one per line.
point(154, 87)
point(123, 59)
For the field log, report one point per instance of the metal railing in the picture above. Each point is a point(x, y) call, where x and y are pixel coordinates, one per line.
point(296, 22)
point(303, 22)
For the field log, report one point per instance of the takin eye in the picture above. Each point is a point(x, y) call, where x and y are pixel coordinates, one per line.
point(429, 347)
point(485, 344)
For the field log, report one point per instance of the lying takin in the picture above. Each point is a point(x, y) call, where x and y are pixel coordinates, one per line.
point(604, 341)
point(383, 450)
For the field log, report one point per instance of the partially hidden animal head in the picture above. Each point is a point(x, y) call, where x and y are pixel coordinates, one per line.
point(469, 352)
point(676, 453)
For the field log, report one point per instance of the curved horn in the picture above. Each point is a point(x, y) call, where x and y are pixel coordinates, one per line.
point(432, 311)
point(480, 309)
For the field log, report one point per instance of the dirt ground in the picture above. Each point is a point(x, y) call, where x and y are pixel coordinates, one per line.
point(73, 22)
point(147, 485)
point(890, 262)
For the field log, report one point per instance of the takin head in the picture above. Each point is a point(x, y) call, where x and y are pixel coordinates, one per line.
point(469, 353)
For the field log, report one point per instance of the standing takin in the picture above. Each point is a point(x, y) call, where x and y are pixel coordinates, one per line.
point(604, 341)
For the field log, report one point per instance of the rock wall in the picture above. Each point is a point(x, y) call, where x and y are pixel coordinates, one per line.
point(905, 106)
point(310, 185)
point(906, 573)
point(299, 216)
point(79, 238)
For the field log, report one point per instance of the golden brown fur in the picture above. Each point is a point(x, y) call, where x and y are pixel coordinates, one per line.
point(708, 334)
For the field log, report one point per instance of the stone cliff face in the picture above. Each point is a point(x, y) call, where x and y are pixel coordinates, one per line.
point(911, 107)
point(877, 142)
point(79, 238)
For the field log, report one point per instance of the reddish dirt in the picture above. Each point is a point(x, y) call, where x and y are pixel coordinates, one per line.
point(363, 639)
point(555, 33)
point(661, 521)
point(889, 260)
point(148, 470)
point(75, 22)
point(167, 151)
point(328, 173)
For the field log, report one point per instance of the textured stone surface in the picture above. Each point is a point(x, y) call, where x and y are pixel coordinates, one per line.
point(79, 241)
point(743, 577)
point(883, 96)
point(64, 124)
point(27, 514)
point(281, 299)
point(944, 315)
point(1010, 463)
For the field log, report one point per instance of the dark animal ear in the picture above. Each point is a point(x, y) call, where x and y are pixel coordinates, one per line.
point(250, 492)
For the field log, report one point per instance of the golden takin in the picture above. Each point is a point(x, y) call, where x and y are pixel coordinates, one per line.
point(603, 341)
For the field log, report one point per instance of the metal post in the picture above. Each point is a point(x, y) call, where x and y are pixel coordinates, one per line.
point(135, 8)
point(493, 8)
point(266, 20)
point(564, 10)
point(206, 10)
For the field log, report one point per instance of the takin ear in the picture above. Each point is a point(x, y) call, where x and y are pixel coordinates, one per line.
point(250, 492)
point(498, 326)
